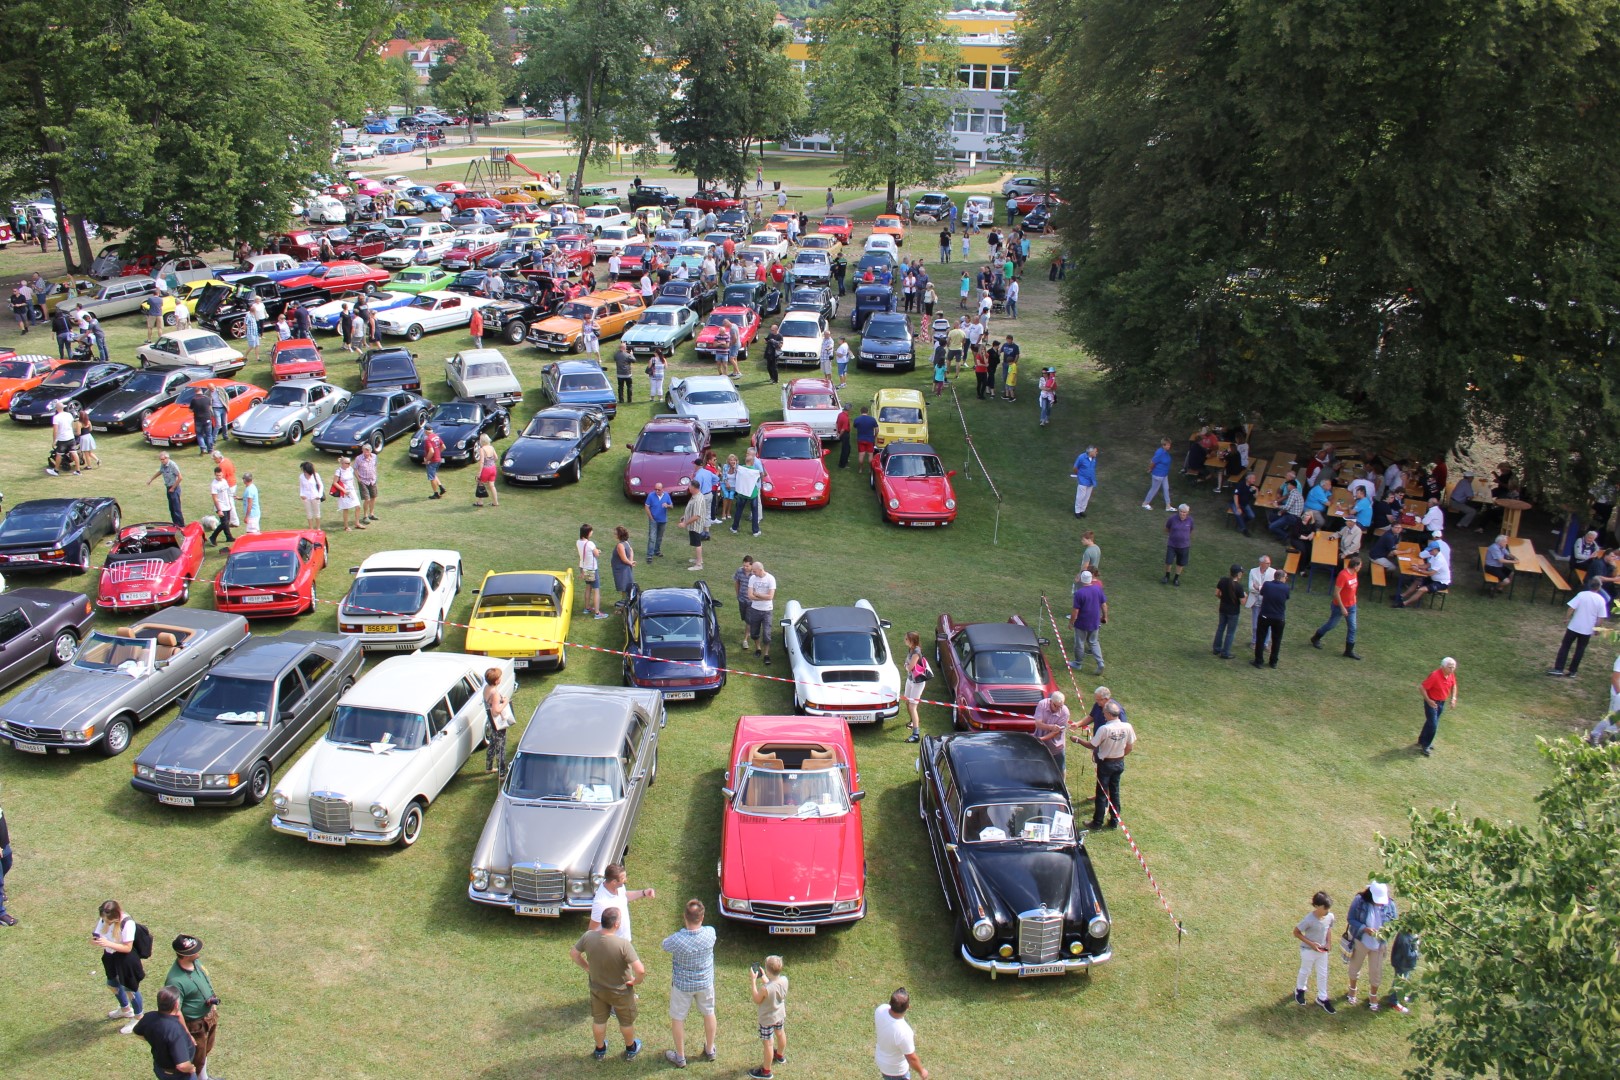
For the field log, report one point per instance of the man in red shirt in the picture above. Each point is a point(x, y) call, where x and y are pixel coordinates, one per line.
point(1439, 690)
point(1344, 607)
point(433, 457)
point(841, 429)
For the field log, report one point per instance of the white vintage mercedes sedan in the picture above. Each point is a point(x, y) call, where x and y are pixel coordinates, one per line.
point(396, 739)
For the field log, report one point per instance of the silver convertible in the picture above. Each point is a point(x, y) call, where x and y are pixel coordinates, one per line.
point(570, 800)
point(120, 678)
point(288, 411)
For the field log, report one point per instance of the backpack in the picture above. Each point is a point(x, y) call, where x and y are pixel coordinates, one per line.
point(143, 942)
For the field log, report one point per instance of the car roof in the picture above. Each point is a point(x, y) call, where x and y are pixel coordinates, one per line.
point(574, 367)
point(266, 657)
point(187, 335)
point(889, 317)
point(409, 682)
point(520, 582)
point(476, 356)
point(671, 601)
point(409, 560)
point(785, 427)
point(830, 619)
point(895, 395)
point(897, 448)
point(708, 382)
point(50, 598)
point(275, 540)
point(58, 506)
point(806, 384)
point(669, 420)
point(988, 764)
point(1001, 635)
point(588, 721)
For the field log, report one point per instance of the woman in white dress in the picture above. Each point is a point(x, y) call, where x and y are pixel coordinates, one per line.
point(311, 492)
point(348, 493)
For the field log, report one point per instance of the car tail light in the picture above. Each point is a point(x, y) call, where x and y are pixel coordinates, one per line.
point(412, 627)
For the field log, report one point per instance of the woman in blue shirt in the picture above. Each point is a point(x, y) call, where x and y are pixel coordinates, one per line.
point(1371, 913)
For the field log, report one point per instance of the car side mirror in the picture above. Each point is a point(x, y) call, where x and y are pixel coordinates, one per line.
point(825, 451)
point(354, 569)
point(950, 473)
point(951, 848)
point(730, 793)
point(856, 796)
point(886, 624)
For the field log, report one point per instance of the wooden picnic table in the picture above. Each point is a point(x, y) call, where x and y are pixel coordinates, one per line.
point(1525, 559)
point(1270, 495)
point(1216, 459)
point(1412, 565)
point(1511, 509)
point(1325, 553)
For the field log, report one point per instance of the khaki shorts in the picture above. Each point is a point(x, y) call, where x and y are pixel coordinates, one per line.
point(681, 1002)
point(605, 1003)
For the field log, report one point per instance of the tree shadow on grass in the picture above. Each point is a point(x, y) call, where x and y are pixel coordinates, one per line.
point(40, 1045)
point(1284, 1019)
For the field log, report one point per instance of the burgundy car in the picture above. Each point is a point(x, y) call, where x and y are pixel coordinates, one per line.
point(668, 451)
point(995, 673)
point(713, 199)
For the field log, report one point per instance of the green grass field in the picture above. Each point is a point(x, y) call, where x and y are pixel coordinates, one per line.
point(1249, 790)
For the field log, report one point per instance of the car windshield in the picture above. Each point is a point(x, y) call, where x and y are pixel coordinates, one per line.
point(812, 400)
point(913, 465)
point(845, 647)
point(456, 412)
point(588, 380)
point(835, 222)
point(665, 442)
point(66, 377)
point(250, 569)
point(492, 369)
point(884, 330)
point(668, 236)
point(107, 652)
point(145, 382)
point(282, 394)
point(226, 699)
point(423, 301)
point(576, 311)
point(355, 726)
point(806, 257)
point(1013, 668)
point(636, 250)
point(738, 296)
point(410, 276)
point(711, 397)
point(565, 778)
point(24, 369)
point(524, 604)
point(793, 792)
point(367, 405)
point(552, 427)
point(797, 328)
point(297, 355)
point(790, 448)
point(1041, 822)
point(726, 320)
point(28, 524)
point(658, 318)
point(900, 414)
point(390, 367)
point(516, 245)
point(672, 629)
point(386, 594)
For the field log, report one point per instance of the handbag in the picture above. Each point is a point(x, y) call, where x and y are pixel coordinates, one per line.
point(481, 492)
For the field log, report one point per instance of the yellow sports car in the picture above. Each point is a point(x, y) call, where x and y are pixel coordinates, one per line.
point(523, 615)
point(902, 416)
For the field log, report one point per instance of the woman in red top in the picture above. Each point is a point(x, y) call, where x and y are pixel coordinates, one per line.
point(1439, 690)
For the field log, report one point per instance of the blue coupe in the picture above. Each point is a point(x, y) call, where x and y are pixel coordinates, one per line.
point(674, 641)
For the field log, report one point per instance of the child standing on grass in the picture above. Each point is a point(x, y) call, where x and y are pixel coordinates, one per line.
point(967, 284)
point(87, 443)
point(939, 371)
point(770, 995)
point(1314, 932)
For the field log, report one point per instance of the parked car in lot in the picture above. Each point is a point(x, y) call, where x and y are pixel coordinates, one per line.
point(615, 311)
point(870, 300)
point(669, 450)
point(653, 195)
point(555, 445)
point(801, 339)
point(19, 374)
point(791, 457)
point(119, 296)
point(287, 412)
point(663, 327)
point(579, 383)
point(615, 238)
point(841, 662)
point(913, 486)
point(792, 846)
point(174, 424)
point(249, 714)
point(902, 415)
point(400, 600)
point(1024, 897)
point(714, 400)
point(812, 401)
point(692, 292)
point(392, 368)
point(673, 642)
point(756, 296)
point(459, 424)
point(150, 565)
point(271, 574)
point(78, 384)
point(324, 316)
point(523, 616)
point(886, 343)
point(191, 348)
point(713, 199)
point(56, 534)
point(714, 339)
point(420, 279)
point(811, 268)
point(130, 406)
point(837, 225)
point(483, 373)
point(935, 206)
point(296, 358)
point(570, 801)
point(996, 673)
point(428, 312)
point(118, 679)
point(398, 737)
point(337, 278)
point(40, 627)
point(372, 416)
point(224, 308)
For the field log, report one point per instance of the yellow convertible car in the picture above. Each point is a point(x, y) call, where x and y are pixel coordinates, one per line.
point(523, 615)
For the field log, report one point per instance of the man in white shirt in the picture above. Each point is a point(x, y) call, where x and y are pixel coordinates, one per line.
point(613, 894)
point(1438, 556)
point(761, 600)
point(1587, 608)
point(613, 266)
point(1257, 577)
point(62, 435)
point(896, 1052)
point(1434, 519)
point(646, 287)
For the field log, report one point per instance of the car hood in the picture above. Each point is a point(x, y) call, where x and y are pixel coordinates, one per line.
point(39, 399)
point(792, 860)
point(351, 425)
point(792, 477)
point(652, 468)
point(802, 344)
point(67, 698)
point(355, 772)
point(641, 332)
point(490, 386)
point(1023, 876)
point(921, 494)
point(205, 745)
point(734, 410)
point(568, 835)
point(121, 403)
point(889, 346)
point(711, 334)
point(263, 417)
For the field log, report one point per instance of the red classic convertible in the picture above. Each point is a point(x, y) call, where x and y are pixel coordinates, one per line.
point(790, 453)
point(913, 486)
point(713, 199)
point(712, 337)
point(151, 565)
point(792, 854)
point(991, 670)
point(271, 574)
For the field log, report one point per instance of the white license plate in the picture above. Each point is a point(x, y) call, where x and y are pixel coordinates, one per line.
point(21, 416)
point(1028, 970)
point(520, 663)
point(793, 930)
point(159, 442)
point(27, 747)
point(382, 628)
point(257, 599)
point(886, 364)
point(856, 718)
point(793, 502)
point(548, 911)
point(526, 477)
point(679, 695)
point(131, 597)
point(334, 839)
point(177, 800)
point(99, 427)
point(922, 524)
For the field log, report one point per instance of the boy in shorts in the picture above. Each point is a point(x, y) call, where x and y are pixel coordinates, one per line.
point(770, 995)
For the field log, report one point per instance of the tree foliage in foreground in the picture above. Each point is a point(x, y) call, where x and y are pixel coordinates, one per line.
point(1305, 210)
point(1520, 930)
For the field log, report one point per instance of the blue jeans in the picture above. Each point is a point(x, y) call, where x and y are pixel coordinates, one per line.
point(176, 514)
point(1012, 309)
point(1046, 408)
point(1160, 483)
point(5, 868)
point(1349, 617)
point(1225, 631)
point(655, 536)
point(1431, 722)
point(1282, 525)
point(1087, 641)
point(1245, 514)
point(755, 507)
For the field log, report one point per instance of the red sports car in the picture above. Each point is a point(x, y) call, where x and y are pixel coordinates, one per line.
point(913, 486)
point(336, 278)
point(473, 201)
point(836, 225)
point(995, 672)
point(451, 187)
point(296, 358)
point(575, 250)
point(713, 199)
point(151, 565)
point(19, 373)
point(668, 451)
point(790, 453)
point(713, 336)
point(633, 259)
point(1023, 204)
point(792, 854)
point(172, 425)
point(271, 574)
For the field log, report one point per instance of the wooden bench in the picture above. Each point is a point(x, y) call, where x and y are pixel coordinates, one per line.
point(1380, 577)
point(1291, 567)
point(1439, 597)
point(1554, 578)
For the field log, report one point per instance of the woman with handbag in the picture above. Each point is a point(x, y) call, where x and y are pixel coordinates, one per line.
point(497, 718)
point(347, 492)
point(311, 492)
point(655, 373)
point(916, 669)
point(488, 464)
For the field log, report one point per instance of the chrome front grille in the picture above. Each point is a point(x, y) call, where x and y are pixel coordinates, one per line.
point(1040, 935)
point(329, 813)
point(788, 913)
point(179, 779)
point(1030, 696)
point(33, 734)
point(531, 881)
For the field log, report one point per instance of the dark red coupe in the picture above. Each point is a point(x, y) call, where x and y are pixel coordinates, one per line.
point(995, 673)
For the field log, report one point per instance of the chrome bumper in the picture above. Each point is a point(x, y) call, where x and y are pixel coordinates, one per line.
point(997, 966)
point(386, 839)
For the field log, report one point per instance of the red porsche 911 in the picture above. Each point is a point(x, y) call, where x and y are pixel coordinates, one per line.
point(269, 575)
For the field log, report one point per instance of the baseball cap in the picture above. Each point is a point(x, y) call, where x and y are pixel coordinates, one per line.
point(1378, 891)
point(1085, 577)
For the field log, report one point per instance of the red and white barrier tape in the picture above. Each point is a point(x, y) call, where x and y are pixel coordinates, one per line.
point(972, 449)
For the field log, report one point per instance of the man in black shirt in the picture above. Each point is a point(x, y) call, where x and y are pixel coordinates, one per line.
point(773, 351)
point(166, 1033)
point(1273, 614)
point(1230, 591)
point(1243, 496)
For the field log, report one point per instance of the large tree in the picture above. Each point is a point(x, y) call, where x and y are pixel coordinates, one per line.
point(1308, 211)
point(1520, 971)
point(882, 89)
point(734, 85)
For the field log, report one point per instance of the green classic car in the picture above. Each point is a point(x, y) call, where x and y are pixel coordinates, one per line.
point(662, 326)
point(420, 279)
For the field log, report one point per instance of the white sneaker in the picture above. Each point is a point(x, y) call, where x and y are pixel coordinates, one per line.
point(1147, 506)
point(123, 1012)
point(129, 1028)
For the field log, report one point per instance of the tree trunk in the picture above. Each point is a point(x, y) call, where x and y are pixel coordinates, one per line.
point(587, 126)
point(889, 199)
point(81, 239)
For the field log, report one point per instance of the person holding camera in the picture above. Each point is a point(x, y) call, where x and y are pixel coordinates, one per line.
point(199, 1005)
point(770, 989)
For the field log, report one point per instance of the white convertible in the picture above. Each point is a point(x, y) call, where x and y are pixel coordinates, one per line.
point(437, 310)
point(400, 600)
point(841, 662)
point(396, 739)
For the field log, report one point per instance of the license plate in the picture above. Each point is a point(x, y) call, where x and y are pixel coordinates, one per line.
point(793, 502)
point(159, 442)
point(177, 800)
point(548, 911)
point(520, 663)
point(922, 524)
point(1027, 970)
point(27, 747)
point(886, 364)
point(134, 596)
point(21, 416)
point(793, 930)
point(526, 477)
point(334, 839)
point(257, 599)
point(99, 427)
point(382, 628)
point(679, 695)
point(856, 718)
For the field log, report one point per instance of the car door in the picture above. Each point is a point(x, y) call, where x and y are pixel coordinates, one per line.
point(941, 811)
point(22, 646)
point(288, 718)
point(446, 736)
point(954, 655)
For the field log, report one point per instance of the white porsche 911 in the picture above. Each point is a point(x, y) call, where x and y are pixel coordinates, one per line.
point(841, 662)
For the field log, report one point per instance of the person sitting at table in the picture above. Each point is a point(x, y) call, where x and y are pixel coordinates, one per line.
point(1365, 486)
point(1434, 518)
point(1460, 506)
point(1362, 509)
point(1318, 497)
point(1499, 563)
point(1350, 537)
point(1243, 496)
point(1322, 460)
point(1394, 477)
point(1586, 556)
point(1438, 557)
point(1304, 532)
point(1382, 551)
point(1608, 573)
point(1290, 507)
point(1198, 449)
point(1386, 512)
point(1235, 464)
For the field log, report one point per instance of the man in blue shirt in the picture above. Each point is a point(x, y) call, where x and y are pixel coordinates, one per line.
point(706, 482)
point(1363, 512)
point(1090, 611)
point(866, 427)
point(1160, 475)
point(691, 951)
point(658, 505)
point(1318, 498)
point(1085, 480)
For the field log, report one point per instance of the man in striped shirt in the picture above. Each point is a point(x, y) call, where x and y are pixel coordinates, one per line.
point(691, 951)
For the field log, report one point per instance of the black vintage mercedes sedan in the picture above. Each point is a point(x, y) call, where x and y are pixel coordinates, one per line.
point(1017, 877)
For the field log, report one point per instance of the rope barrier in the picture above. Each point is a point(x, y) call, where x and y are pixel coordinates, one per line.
point(967, 437)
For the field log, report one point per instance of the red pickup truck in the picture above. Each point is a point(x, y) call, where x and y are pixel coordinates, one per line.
point(305, 245)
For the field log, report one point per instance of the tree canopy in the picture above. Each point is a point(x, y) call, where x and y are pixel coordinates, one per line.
point(1310, 211)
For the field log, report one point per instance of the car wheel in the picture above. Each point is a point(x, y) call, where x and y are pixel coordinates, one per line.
point(607, 438)
point(117, 521)
point(506, 429)
point(185, 595)
point(258, 785)
point(421, 420)
point(64, 648)
point(82, 559)
point(295, 434)
point(438, 634)
point(371, 288)
point(414, 333)
point(579, 472)
point(314, 598)
point(169, 319)
point(376, 442)
point(410, 823)
point(515, 332)
point(119, 733)
point(562, 658)
point(239, 329)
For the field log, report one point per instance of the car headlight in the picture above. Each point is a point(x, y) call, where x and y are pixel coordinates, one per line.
point(984, 930)
point(819, 487)
point(480, 878)
point(950, 504)
point(185, 426)
point(768, 486)
point(554, 464)
point(507, 462)
point(145, 772)
point(894, 504)
point(462, 444)
point(637, 480)
point(278, 799)
point(1098, 926)
point(578, 887)
point(738, 905)
point(846, 905)
point(77, 735)
point(379, 811)
point(220, 780)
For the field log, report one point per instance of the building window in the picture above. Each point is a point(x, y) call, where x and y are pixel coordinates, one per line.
point(1003, 77)
point(974, 76)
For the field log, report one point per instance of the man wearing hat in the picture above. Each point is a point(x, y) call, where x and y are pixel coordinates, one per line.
point(1460, 505)
point(1089, 612)
point(199, 1005)
point(1438, 556)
